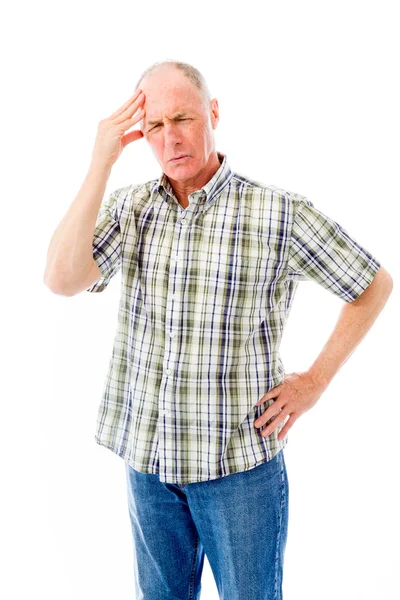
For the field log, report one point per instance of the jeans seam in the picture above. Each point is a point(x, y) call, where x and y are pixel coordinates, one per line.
point(278, 538)
point(191, 586)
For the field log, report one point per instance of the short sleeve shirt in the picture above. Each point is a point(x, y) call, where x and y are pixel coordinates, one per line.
point(205, 295)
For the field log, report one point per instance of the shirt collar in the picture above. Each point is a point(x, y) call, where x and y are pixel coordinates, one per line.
point(210, 190)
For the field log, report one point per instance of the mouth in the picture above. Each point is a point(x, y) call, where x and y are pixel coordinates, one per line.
point(178, 158)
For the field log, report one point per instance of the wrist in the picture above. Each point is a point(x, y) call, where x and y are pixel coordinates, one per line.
point(319, 379)
point(100, 168)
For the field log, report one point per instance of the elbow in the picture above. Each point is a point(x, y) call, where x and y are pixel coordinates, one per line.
point(389, 282)
point(55, 286)
point(54, 289)
point(385, 281)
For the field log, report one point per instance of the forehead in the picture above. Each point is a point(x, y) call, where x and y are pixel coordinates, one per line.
point(167, 94)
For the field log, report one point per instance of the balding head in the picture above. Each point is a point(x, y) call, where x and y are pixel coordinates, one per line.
point(189, 71)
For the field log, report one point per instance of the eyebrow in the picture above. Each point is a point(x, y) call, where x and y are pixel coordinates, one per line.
point(177, 116)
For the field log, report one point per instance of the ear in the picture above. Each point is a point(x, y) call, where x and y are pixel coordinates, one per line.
point(214, 113)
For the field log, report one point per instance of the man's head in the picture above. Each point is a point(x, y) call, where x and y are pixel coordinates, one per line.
point(179, 118)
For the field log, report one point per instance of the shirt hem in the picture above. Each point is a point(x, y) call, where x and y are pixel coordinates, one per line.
point(154, 471)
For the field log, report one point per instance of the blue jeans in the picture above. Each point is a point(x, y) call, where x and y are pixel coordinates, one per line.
point(239, 521)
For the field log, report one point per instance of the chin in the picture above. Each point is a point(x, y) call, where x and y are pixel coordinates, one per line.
point(179, 170)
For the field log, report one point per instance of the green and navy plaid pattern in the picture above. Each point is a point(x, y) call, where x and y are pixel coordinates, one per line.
point(205, 295)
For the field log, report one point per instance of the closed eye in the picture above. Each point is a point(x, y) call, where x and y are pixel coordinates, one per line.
point(158, 124)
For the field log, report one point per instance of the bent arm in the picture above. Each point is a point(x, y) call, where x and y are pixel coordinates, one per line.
point(355, 320)
point(69, 266)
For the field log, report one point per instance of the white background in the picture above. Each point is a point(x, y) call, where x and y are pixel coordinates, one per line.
point(309, 101)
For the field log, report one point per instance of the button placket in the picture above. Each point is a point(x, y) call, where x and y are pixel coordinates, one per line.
point(174, 297)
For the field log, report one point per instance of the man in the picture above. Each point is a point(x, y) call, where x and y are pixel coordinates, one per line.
point(196, 400)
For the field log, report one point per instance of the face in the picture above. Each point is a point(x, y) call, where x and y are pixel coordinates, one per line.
point(177, 122)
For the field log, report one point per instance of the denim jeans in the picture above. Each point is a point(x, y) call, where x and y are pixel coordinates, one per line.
point(239, 521)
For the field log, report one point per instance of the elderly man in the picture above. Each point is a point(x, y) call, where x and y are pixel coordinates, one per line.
point(196, 399)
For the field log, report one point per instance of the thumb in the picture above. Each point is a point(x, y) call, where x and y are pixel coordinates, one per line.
point(131, 137)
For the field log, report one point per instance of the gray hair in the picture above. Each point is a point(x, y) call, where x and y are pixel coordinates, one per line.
point(193, 74)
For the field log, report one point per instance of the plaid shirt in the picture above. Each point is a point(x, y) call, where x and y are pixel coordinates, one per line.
point(205, 295)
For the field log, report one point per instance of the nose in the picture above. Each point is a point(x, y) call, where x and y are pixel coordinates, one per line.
point(172, 136)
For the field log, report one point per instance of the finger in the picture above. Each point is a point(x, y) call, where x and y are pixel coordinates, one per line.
point(292, 419)
point(285, 429)
point(126, 104)
point(272, 410)
point(131, 137)
point(272, 393)
point(131, 110)
point(274, 424)
point(131, 122)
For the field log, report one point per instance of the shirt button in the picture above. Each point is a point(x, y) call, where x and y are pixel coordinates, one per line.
point(183, 221)
point(177, 257)
point(168, 371)
point(171, 334)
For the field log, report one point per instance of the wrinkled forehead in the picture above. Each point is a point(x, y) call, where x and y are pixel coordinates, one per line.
point(166, 98)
